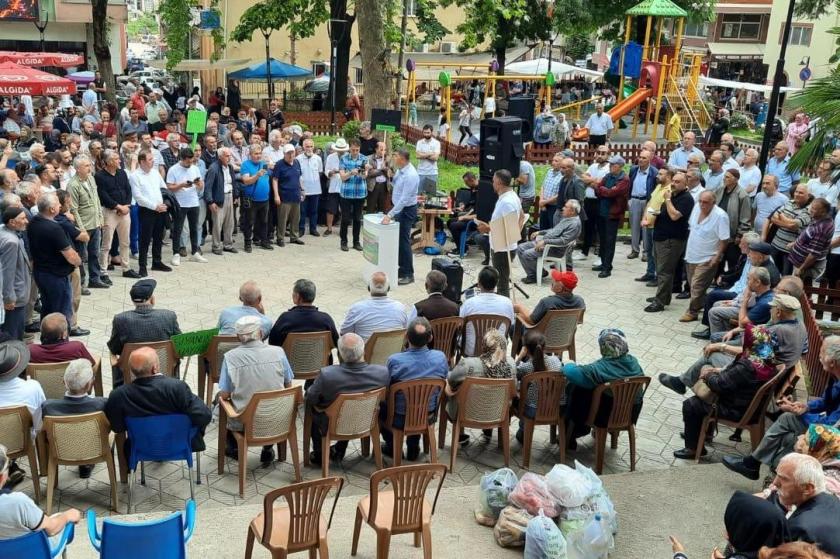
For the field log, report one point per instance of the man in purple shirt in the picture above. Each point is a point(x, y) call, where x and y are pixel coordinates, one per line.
point(809, 251)
point(56, 346)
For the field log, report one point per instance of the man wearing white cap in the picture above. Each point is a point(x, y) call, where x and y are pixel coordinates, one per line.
point(252, 367)
point(288, 190)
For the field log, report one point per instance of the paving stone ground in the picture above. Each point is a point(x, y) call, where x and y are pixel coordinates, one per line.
point(197, 292)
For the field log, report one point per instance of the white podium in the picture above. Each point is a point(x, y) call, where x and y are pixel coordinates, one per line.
point(381, 247)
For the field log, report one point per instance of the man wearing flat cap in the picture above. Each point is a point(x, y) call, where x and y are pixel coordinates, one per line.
point(560, 237)
point(143, 324)
point(15, 391)
point(252, 367)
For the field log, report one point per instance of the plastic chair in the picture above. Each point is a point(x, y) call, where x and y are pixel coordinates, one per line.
point(480, 324)
point(76, 440)
point(269, 418)
point(350, 416)
point(545, 259)
point(382, 345)
point(298, 526)
point(51, 377)
point(160, 438)
point(37, 545)
point(624, 395)
point(465, 234)
point(445, 333)
point(559, 327)
point(308, 353)
point(165, 538)
point(418, 395)
point(401, 510)
point(210, 364)
point(166, 355)
point(16, 436)
point(550, 387)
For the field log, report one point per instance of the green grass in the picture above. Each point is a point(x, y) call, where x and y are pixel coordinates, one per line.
point(747, 134)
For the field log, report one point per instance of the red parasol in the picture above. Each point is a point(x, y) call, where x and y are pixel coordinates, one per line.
point(59, 59)
point(19, 80)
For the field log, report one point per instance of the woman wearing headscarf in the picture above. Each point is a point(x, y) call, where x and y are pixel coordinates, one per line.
point(615, 363)
point(494, 362)
point(733, 388)
point(823, 443)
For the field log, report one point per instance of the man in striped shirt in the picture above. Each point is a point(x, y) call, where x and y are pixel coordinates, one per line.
point(808, 253)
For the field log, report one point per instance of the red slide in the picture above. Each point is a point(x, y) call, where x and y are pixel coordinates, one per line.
point(619, 110)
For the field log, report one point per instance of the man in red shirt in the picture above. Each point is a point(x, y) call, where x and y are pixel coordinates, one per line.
point(56, 346)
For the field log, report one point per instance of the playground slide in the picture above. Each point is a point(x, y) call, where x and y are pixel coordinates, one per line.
point(620, 109)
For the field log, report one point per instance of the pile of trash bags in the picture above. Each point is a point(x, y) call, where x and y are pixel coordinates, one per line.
point(565, 514)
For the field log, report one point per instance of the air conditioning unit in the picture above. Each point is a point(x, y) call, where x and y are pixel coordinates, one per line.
point(446, 46)
point(424, 48)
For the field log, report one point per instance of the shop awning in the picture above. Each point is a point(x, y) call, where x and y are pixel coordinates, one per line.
point(714, 82)
point(736, 51)
point(539, 67)
point(20, 80)
point(59, 59)
point(201, 64)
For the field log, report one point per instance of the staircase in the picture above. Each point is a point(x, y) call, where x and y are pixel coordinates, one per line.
point(683, 96)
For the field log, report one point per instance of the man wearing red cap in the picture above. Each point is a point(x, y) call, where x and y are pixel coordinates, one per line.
point(562, 286)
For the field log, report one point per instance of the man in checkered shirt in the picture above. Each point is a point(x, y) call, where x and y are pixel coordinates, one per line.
point(353, 193)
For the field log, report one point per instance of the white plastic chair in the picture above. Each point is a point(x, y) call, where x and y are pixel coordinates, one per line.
point(545, 260)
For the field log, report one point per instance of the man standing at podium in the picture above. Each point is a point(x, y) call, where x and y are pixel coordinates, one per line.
point(404, 198)
point(504, 249)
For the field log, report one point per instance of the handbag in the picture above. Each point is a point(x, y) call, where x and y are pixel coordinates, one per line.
point(701, 390)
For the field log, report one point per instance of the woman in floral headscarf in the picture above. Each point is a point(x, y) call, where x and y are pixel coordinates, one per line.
point(823, 443)
point(733, 388)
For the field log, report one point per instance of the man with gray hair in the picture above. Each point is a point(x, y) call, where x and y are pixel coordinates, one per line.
point(562, 237)
point(751, 306)
point(352, 375)
point(220, 183)
point(404, 197)
point(252, 367)
point(250, 296)
point(79, 380)
point(87, 211)
point(16, 283)
point(377, 313)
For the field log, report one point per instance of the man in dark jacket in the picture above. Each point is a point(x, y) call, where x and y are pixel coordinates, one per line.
point(303, 317)
point(612, 194)
point(220, 189)
point(152, 393)
point(436, 305)
point(352, 375)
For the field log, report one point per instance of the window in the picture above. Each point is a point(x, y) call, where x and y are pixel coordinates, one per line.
point(800, 34)
point(694, 29)
point(740, 26)
point(319, 68)
point(410, 7)
point(358, 75)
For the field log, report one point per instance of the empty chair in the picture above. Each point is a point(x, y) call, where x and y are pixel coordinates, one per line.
point(165, 351)
point(419, 413)
point(16, 436)
point(624, 394)
point(165, 538)
point(402, 509)
point(37, 545)
point(269, 418)
point(446, 336)
point(210, 364)
point(382, 345)
point(299, 526)
point(549, 388)
point(308, 352)
point(51, 377)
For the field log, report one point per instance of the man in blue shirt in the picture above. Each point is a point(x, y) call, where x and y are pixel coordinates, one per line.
point(252, 305)
point(253, 213)
point(416, 362)
point(353, 192)
point(752, 306)
point(778, 166)
point(404, 198)
point(287, 187)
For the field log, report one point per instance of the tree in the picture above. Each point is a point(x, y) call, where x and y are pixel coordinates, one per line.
point(376, 57)
point(176, 25)
point(578, 46)
point(102, 46)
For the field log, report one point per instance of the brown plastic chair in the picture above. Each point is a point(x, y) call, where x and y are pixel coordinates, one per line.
point(550, 387)
point(483, 403)
point(210, 364)
point(16, 436)
point(350, 416)
point(382, 345)
point(165, 350)
point(418, 394)
point(308, 353)
point(559, 327)
point(445, 333)
point(403, 509)
point(51, 377)
point(753, 418)
point(624, 394)
point(298, 526)
point(75, 440)
point(481, 324)
point(269, 418)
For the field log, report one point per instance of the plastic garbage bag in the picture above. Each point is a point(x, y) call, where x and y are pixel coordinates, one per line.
point(543, 539)
point(569, 487)
point(493, 492)
point(595, 483)
point(511, 527)
point(531, 494)
point(594, 541)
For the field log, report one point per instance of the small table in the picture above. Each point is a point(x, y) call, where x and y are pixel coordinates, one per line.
point(427, 228)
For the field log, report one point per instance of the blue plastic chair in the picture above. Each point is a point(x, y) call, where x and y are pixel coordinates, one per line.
point(162, 539)
point(160, 438)
point(36, 545)
point(462, 243)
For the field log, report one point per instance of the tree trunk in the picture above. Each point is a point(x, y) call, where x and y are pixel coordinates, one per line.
point(376, 75)
point(501, 52)
point(101, 48)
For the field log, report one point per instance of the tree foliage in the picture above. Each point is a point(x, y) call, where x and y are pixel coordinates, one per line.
point(176, 26)
point(301, 17)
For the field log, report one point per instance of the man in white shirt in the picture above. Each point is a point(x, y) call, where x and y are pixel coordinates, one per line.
point(714, 174)
point(273, 152)
point(486, 301)
point(600, 126)
point(819, 186)
point(707, 241)
point(750, 173)
point(593, 175)
point(504, 249)
point(694, 184)
point(146, 185)
point(184, 180)
point(376, 314)
point(679, 157)
point(428, 151)
point(728, 151)
point(311, 168)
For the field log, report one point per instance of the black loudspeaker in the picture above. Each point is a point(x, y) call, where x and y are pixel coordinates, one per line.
point(523, 107)
point(500, 146)
point(485, 199)
point(454, 277)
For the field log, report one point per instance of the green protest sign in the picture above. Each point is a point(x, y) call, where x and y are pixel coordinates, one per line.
point(193, 343)
point(196, 122)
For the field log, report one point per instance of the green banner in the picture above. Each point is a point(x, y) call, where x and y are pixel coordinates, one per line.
point(193, 343)
point(196, 122)
point(386, 128)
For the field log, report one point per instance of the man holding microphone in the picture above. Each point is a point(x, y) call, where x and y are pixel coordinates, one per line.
point(404, 199)
point(503, 250)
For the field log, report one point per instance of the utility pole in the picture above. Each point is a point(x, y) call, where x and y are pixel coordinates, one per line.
point(773, 107)
point(403, 26)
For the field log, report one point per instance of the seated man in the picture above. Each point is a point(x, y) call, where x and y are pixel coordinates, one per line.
point(780, 438)
point(416, 362)
point(562, 287)
point(78, 379)
point(486, 301)
point(152, 393)
point(19, 515)
point(252, 305)
point(376, 314)
point(15, 391)
point(251, 367)
point(351, 375)
point(144, 324)
point(56, 345)
point(560, 236)
point(303, 317)
point(464, 208)
point(435, 305)
point(753, 305)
